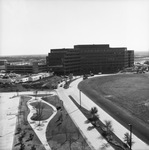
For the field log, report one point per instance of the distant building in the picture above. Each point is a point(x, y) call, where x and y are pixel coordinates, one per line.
point(83, 59)
point(3, 63)
point(26, 68)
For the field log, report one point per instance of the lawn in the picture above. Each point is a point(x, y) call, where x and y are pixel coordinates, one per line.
point(46, 111)
point(125, 97)
point(115, 142)
point(62, 134)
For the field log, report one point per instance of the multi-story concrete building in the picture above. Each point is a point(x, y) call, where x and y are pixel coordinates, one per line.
point(26, 68)
point(84, 59)
point(55, 60)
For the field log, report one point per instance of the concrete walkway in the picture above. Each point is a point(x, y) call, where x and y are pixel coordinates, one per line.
point(119, 130)
point(9, 103)
point(40, 130)
point(8, 119)
point(93, 138)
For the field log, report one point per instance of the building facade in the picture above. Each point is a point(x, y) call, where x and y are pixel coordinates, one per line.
point(30, 68)
point(3, 63)
point(83, 59)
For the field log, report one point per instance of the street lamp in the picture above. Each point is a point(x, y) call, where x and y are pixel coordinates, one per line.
point(80, 98)
point(130, 127)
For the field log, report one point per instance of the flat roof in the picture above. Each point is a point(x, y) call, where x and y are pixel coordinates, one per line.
point(82, 45)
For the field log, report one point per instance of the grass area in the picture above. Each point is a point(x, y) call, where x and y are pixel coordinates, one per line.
point(125, 97)
point(46, 111)
point(24, 133)
point(12, 88)
point(118, 144)
point(62, 134)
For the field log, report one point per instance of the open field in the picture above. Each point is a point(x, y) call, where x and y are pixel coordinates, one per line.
point(125, 97)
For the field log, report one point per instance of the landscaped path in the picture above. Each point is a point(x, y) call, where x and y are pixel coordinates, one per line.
point(93, 137)
point(9, 103)
point(40, 130)
point(119, 129)
point(9, 109)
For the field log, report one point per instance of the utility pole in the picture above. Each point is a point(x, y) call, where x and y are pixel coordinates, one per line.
point(130, 125)
point(80, 98)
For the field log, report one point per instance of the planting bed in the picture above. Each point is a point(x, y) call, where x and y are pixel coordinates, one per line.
point(116, 143)
point(61, 132)
point(23, 129)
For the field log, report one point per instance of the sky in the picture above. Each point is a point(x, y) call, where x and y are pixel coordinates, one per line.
point(36, 26)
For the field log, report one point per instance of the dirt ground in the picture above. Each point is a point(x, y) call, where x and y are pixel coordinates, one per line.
point(127, 95)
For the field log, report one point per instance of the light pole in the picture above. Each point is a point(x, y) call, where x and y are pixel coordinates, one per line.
point(17, 90)
point(80, 98)
point(130, 127)
point(36, 94)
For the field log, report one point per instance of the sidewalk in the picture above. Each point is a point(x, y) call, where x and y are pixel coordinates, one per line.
point(8, 119)
point(40, 130)
point(119, 130)
point(92, 137)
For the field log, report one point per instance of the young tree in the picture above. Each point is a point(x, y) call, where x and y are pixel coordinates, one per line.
point(108, 130)
point(108, 125)
point(93, 111)
point(39, 111)
point(70, 140)
point(33, 147)
point(127, 139)
point(22, 146)
point(94, 116)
